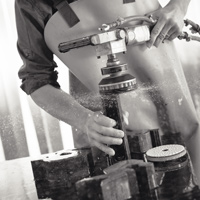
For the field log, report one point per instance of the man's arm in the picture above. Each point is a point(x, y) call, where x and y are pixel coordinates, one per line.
point(39, 78)
point(62, 106)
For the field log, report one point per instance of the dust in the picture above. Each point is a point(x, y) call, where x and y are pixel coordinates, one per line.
point(167, 91)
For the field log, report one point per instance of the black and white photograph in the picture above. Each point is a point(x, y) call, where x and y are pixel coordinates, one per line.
point(100, 100)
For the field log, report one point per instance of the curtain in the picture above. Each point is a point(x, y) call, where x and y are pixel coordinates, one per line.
point(25, 129)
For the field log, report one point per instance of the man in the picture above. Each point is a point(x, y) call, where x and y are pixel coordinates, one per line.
point(163, 99)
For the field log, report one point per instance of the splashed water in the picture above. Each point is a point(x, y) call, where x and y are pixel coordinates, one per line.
point(93, 100)
point(180, 101)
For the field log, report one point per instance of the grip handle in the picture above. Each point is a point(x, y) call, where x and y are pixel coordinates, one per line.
point(73, 44)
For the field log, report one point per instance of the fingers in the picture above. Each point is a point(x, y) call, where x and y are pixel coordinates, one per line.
point(101, 133)
point(104, 126)
point(103, 120)
point(173, 32)
point(165, 29)
point(162, 35)
point(156, 31)
point(173, 36)
point(106, 139)
point(107, 131)
point(103, 147)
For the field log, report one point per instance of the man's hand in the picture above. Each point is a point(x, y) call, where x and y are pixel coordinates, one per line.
point(101, 133)
point(169, 22)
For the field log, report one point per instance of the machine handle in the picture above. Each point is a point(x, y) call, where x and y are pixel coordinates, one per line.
point(73, 44)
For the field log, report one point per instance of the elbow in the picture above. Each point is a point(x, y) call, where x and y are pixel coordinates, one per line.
point(36, 96)
point(40, 95)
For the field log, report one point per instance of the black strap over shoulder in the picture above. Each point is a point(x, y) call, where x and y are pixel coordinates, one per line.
point(68, 14)
point(66, 11)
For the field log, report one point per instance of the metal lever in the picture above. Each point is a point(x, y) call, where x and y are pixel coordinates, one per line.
point(107, 35)
point(77, 43)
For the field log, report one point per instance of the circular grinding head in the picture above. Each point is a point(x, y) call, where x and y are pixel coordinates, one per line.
point(165, 153)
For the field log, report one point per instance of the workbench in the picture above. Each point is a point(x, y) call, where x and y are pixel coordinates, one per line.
point(17, 182)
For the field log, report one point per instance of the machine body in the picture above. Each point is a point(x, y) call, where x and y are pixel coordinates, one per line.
point(113, 39)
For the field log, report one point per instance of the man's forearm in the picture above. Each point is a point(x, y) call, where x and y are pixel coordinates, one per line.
point(61, 105)
point(99, 128)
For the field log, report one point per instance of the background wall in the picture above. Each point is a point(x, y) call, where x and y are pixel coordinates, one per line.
point(26, 130)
